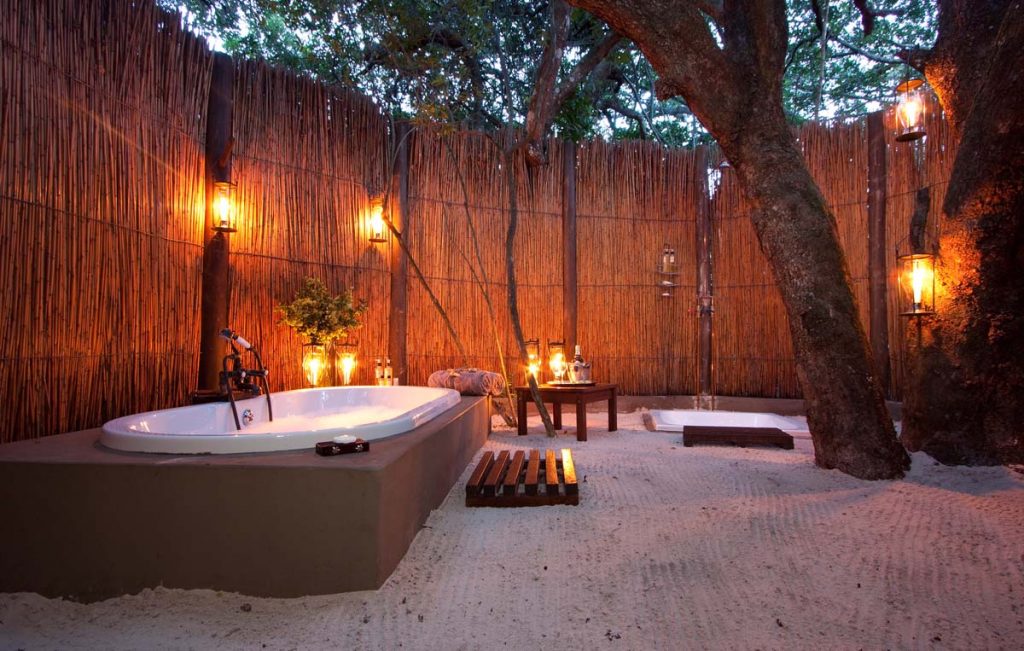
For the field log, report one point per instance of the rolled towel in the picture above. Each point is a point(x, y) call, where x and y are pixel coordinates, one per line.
point(475, 382)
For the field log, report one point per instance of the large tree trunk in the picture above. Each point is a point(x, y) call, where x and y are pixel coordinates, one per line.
point(965, 399)
point(846, 412)
point(735, 90)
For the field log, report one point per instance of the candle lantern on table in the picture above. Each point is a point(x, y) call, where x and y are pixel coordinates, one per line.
point(556, 360)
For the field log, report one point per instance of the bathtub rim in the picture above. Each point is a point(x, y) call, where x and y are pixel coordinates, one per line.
point(115, 435)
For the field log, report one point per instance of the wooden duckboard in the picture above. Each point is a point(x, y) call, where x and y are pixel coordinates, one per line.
point(521, 479)
point(741, 436)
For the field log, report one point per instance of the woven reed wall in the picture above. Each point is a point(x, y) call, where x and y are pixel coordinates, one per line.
point(101, 195)
point(439, 238)
point(305, 157)
point(633, 198)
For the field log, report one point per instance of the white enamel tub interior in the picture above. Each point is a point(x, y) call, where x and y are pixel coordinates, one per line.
point(674, 420)
point(301, 419)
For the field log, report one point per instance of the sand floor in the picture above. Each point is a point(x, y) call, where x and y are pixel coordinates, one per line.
point(670, 548)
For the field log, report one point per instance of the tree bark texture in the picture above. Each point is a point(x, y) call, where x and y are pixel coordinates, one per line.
point(736, 92)
point(965, 399)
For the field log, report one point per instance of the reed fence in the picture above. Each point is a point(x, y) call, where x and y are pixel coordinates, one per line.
point(101, 229)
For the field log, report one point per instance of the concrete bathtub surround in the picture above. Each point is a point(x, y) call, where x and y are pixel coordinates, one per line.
point(86, 522)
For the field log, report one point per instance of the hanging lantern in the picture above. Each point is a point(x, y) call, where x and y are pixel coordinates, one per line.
point(377, 219)
point(314, 363)
point(556, 359)
point(224, 207)
point(910, 110)
point(347, 361)
point(917, 284)
point(533, 359)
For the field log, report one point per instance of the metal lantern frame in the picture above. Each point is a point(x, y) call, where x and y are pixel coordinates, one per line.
point(556, 352)
point(346, 354)
point(225, 212)
point(314, 363)
point(533, 359)
point(915, 265)
point(910, 121)
point(376, 221)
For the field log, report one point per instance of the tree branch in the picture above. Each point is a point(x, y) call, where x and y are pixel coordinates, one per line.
point(864, 53)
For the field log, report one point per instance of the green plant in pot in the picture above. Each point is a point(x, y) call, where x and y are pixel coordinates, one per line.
point(320, 318)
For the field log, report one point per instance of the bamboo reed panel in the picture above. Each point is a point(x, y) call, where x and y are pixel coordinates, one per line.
point(632, 198)
point(100, 211)
point(440, 239)
point(306, 156)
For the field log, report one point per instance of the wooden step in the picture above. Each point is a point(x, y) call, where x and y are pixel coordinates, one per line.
point(519, 480)
point(741, 436)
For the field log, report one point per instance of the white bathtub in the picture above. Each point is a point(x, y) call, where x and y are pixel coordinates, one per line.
point(301, 419)
point(674, 420)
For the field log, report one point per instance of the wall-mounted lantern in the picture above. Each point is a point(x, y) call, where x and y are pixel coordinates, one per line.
point(533, 359)
point(556, 359)
point(314, 363)
point(224, 211)
point(917, 284)
point(347, 360)
point(910, 110)
point(377, 219)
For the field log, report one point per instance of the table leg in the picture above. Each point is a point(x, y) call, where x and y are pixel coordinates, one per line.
point(557, 408)
point(613, 417)
point(521, 414)
point(581, 420)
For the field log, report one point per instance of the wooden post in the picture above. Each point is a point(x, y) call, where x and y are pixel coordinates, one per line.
point(399, 314)
point(215, 288)
point(569, 278)
point(705, 287)
point(878, 310)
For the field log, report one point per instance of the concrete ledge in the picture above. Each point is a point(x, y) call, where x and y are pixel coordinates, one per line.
point(89, 523)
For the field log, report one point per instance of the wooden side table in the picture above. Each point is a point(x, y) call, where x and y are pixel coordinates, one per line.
point(579, 396)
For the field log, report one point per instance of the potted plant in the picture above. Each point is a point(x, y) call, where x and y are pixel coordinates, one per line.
point(320, 318)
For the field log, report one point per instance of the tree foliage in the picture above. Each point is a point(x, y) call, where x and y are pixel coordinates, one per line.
point(441, 60)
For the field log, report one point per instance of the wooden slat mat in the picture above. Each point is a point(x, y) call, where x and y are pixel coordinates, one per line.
point(741, 436)
point(519, 480)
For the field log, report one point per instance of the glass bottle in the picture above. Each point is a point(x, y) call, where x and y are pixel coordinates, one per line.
point(378, 372)
point(389, 372)
point(578, 364)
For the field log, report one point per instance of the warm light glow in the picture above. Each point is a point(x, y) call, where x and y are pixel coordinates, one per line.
point(223, 207)
point(558, 366)
point(910, 110)
point(314, 363)
point(534, 369)
point(917, 279)
point(348, 364)
point(377, 219)
point(917, 284)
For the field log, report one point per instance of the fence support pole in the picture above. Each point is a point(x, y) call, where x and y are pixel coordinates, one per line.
point(398, 320)
point(215, 292)
point(877, 277)
point(705, 287)
point(569, 279)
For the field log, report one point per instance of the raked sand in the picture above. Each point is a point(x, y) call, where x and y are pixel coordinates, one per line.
point(670, 548)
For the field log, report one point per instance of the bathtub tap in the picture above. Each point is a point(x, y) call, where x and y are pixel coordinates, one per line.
point(235, 377)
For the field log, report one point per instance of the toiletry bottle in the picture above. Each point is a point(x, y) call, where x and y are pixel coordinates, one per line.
point(388, 372)
point(671, 260)
point(664, 258)
point(378, 373)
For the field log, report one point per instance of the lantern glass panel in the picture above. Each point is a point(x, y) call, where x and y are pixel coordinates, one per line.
point(224, 207)
point(377, 219)
point(314, 363)
point(911, 110)
point(917, 284)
